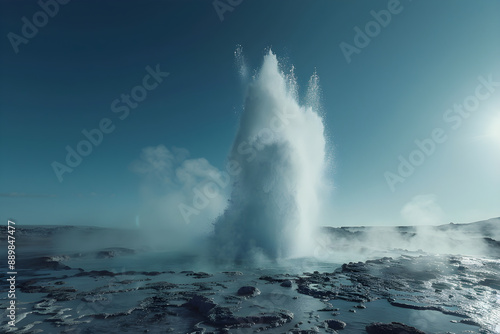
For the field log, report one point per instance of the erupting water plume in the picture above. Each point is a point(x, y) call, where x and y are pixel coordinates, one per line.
point(279, 159)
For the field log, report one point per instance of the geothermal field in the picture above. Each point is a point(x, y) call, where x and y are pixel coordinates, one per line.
point(265, 264)
point(111, 281)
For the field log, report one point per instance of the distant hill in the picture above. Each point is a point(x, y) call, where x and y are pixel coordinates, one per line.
point(481, 237)
point(488, 228)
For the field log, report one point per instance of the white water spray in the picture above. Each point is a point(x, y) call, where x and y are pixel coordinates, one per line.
point(279, 150)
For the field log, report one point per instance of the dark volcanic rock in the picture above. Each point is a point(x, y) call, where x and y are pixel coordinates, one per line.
point(159, 286)
point(233, 273)
point(494, 245)
point(224, 316)
point(326, 309)
point(112, 252)
point(493, 283)
point(392, 328)
point(54, 292)
point(470, 322)
point(97, 273)
point(305, 288)
point(202, 304)
point(354, 267)
point(196, 275)
point(335, 324)
point(61, 296)
point(287, 283)
point(45, 263)
point(30, 287)
point(201, 275)
point(276, 319)
point(427, 308)
point(248, 291)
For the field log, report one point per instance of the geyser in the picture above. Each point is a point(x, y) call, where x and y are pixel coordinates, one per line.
point(280, 147)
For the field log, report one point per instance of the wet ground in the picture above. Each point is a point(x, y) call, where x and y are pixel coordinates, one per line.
point(126, 290)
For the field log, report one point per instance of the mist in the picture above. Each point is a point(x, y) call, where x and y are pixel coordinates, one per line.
point(280, 146)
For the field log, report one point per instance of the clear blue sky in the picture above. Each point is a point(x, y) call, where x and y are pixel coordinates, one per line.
point(394, 91)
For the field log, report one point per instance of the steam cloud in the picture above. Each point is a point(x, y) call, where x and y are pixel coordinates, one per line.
point(423, 210)
point(171, 178)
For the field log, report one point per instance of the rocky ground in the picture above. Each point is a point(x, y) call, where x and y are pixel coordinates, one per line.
point(413, 292)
